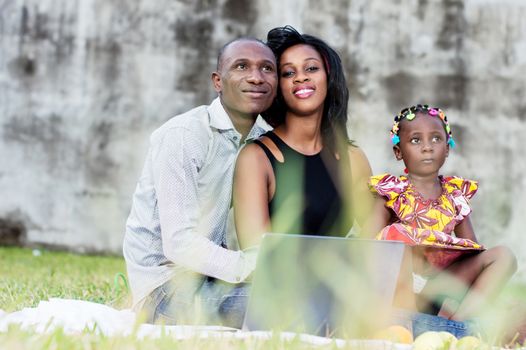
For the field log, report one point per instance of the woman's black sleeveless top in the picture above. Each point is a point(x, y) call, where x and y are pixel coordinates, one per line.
point(307, 199)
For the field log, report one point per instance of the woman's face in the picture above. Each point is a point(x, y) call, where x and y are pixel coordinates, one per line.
point(303, 80)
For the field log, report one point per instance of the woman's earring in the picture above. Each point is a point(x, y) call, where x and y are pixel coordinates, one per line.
point(406, 171)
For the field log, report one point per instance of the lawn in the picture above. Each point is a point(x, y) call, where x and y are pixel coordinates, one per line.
point(30, 276)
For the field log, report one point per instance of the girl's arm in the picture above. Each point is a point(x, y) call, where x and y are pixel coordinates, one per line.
point(251, 195)
point(361, 197)
point(465, 229)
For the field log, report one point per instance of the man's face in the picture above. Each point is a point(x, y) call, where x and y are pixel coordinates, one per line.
point(246, 79)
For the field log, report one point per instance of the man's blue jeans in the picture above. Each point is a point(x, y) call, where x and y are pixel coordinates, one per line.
point(197, 300)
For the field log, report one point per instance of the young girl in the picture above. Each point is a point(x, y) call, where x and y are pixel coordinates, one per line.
point(453, 272)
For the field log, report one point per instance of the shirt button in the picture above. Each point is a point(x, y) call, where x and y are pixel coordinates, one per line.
point(235, 138)
point(238, 278)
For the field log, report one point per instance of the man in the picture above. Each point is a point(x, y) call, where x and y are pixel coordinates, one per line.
point(174, 247)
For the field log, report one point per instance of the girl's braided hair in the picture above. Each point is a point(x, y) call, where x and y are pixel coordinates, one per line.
point(409, 113)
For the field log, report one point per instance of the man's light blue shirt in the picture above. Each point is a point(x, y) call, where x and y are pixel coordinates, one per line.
point(178, 220)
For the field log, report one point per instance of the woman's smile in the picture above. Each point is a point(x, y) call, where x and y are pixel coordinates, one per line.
point(304, 91)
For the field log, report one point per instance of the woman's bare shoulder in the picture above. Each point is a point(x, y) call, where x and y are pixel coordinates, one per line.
point(357, 154)
point(256, 150)
point(251, 152)
point(253, 157)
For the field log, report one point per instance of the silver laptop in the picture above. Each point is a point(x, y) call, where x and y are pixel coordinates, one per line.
point(325, 286)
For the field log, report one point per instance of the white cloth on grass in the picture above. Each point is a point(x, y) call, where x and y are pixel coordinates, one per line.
point(77, 316)
point(74, 316)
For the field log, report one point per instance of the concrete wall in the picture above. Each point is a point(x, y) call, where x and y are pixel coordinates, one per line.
point(83, 83)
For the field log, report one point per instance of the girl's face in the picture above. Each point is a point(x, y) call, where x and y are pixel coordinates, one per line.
point(423, 145)
point(303, 80)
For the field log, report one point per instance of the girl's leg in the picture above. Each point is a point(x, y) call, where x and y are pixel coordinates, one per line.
point(488, 272)
point(467, 284)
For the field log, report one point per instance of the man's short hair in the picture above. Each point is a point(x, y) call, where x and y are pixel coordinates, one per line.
point(224, 47)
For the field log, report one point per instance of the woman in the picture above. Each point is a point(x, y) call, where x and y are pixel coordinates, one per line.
point(303, 176)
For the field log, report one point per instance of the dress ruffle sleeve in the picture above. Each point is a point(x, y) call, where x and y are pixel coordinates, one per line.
point(387, 185)
point(391, 188)
point(460, 190)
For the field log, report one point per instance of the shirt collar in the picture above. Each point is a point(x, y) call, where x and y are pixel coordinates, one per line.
point(220, 120)
point(259, 128)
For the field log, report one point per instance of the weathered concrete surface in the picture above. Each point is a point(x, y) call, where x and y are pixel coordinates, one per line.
point(83, 83)
point(468, 57)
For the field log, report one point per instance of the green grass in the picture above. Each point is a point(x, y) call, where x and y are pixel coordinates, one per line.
point(17, 339)
point(28, 278)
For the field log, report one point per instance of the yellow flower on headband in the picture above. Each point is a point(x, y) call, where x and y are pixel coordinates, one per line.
point(410, 116)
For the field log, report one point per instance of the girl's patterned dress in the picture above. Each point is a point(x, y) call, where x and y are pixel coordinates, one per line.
point(427, 223)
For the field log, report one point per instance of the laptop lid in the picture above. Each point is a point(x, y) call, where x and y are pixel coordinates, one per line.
point(327, 286)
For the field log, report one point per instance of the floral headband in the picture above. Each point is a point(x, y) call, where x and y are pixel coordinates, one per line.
point(409, 113)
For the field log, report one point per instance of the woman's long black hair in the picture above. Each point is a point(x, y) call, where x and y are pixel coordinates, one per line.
point(334, 120)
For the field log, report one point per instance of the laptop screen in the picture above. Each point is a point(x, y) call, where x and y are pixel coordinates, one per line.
point(326, 286)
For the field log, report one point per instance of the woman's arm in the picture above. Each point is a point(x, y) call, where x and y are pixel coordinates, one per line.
point(361, 198)
point(465, 229)
point(370, 211)
point(251, 195)
point(378, 218)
